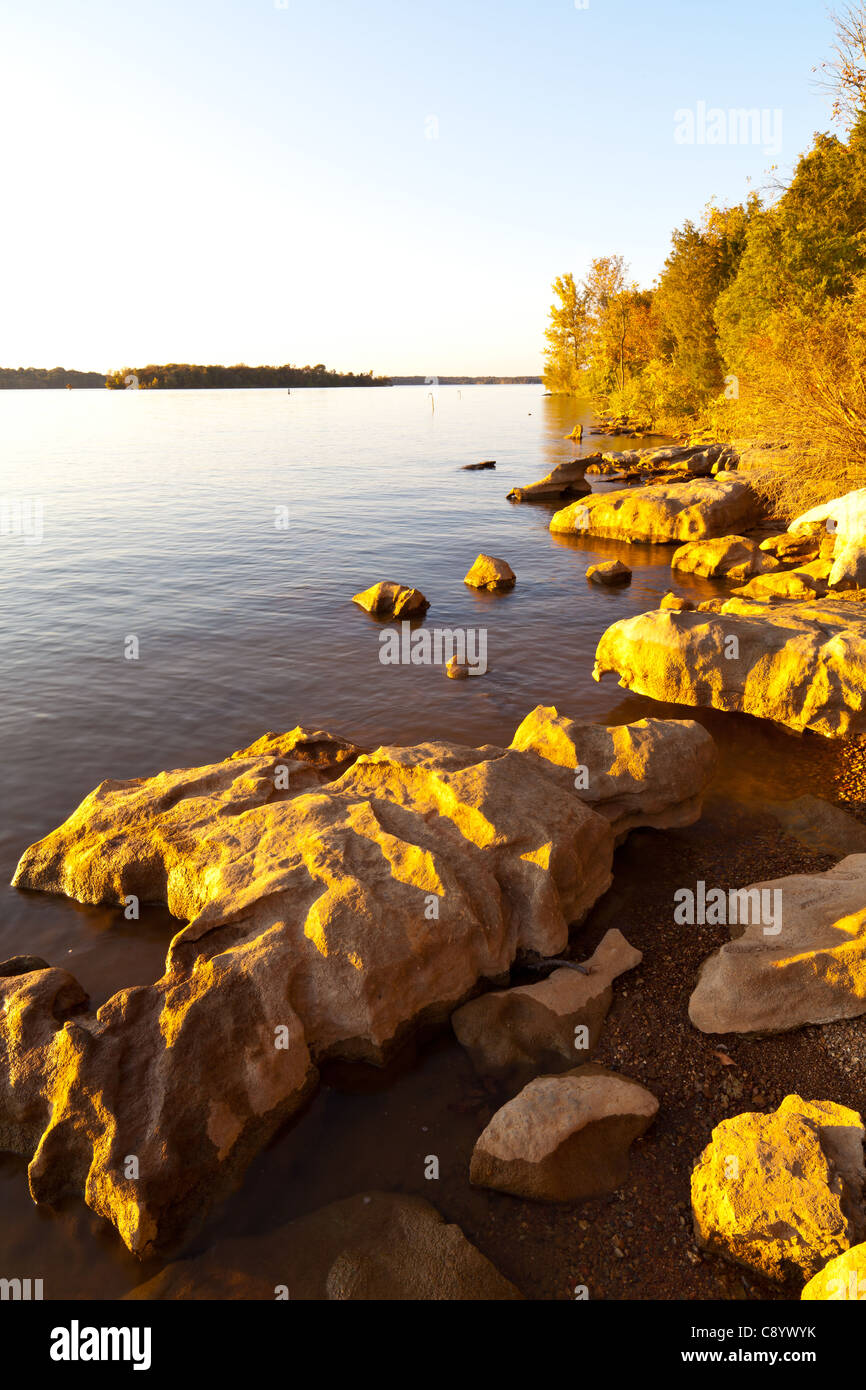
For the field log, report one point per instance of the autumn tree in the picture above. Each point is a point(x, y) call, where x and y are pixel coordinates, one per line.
point(567, 337)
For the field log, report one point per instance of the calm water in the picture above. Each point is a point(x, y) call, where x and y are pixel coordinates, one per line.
point(159, 523)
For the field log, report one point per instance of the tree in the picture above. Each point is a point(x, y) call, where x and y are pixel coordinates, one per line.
point(567, 338)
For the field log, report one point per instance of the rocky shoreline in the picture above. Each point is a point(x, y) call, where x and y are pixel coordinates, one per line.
point(340, 901)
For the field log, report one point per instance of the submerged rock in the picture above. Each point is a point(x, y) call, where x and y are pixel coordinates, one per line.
point(564, 1137)
point(563, 479)
point(803, 665)
point(394, 600)
point(376, 1246)
point(609, 572)
point(818, 824)
point(803, 961)
point(782, 1194)
point(650, 773)
point(489, 573)
point(663, 513)
point(514, 1034)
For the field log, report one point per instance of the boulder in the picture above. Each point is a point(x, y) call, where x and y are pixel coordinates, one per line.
point(650, 773)
point(844, 517)
point(392, 600)
point(565, 478)
point(807, 965)
point(477, 467)
point(790, 548)
point(609, 572)
point(803, 665)
point(664, 513)
point(677, 602)
point(564, 1137)
point(782, 1193)
point(841, 1278)
point(512, 1035)
point(328, 755)
point(729, 557)
point(490, 573)
point(849, 567)
point(806, 582)
point(377, 1246)
point(323, 919)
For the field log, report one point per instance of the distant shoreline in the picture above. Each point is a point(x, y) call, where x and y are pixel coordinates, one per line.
point(177, 377)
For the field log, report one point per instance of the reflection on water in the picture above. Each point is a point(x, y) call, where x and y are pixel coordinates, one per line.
point(159, 522)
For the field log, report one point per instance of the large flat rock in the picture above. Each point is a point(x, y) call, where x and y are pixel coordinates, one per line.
point(802, 962)
point(803, 665)
point(663, 513)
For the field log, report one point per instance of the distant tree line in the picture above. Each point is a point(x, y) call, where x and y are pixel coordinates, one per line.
point(41, 378)
point(185, 376)
point(465, 380)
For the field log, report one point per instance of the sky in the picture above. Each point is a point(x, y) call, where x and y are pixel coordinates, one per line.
point(371, 184)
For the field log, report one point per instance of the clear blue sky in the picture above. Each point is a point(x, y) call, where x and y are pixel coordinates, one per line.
point(228, 180)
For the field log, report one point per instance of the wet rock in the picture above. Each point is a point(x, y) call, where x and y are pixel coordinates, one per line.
point(392, 600)
point(841, 1278)
point(330, 916)
point(457, 670)
point(22, 965)
point(609, 572)
point(677, 602)
point(798, 955)
point(513, 1035)
point(565, 478)
point(490, 573)
point(377, 1246)
point(476, 467)
point(803, 665)
point(782, 1193)
point(729, 557)
point(664, 513)
point(564, 1137)
point(649, 773)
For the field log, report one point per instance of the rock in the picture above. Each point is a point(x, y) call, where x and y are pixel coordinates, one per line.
point(490, 573)
point(309, 935)
point(475, 467)
point(844, 517)
point(786, 547)
point(841, 1278)
point(609, 572)
point(818, 824)
point(459, 670)
point(328, 755)
point(807, 967)
point(563, 479)
point(849, 567)
point(782, 1193)
point(686, 511)
point(22, 965)
point(808, 581)
point(379, 1246)
point(729, 557)
point(803, 665)
point(393, 600)
point(677, 602)
point(512, 1035)
point(650, 773)
point(564, 1137)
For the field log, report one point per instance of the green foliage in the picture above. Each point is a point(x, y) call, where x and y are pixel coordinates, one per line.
point(184, 376)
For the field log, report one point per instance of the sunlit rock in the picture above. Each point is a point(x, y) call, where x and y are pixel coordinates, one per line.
point(564, 1137)
point(564, 479)
point(664, 513)
point(489, 573)
point(782, 1194)
point(392, 600)
point(798, 955)
point(609, 572)
point(805, 582)
point(515, 1034)
point(803, 665)
point(841, 1278)
point(653, 772)
point(735, 558)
